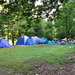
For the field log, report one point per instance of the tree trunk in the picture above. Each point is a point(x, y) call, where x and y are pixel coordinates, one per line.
point(12, 37)
point(67, 34)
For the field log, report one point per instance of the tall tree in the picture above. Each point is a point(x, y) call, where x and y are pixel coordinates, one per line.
point(66, 17)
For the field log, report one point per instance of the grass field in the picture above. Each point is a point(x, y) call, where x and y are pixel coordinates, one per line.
point(23, 58)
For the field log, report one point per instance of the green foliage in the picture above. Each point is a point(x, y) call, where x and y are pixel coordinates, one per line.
point(49, 30)
point(72, 32)
point(2, 1)
point(64, 20)
point(38, 29)
point(2, 30)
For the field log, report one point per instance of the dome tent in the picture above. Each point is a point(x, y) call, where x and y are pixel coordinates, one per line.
point(44, 40)
point(4, 43)
point(53, 41)
point(49, 41)
point(21, 40)
point(39, 41)
point(36, 40)
point(30, 42)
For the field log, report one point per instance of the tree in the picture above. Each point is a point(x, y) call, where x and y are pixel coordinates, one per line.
point(66, 17)
point(49, 30)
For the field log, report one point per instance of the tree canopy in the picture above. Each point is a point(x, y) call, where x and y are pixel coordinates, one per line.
point(23, 17)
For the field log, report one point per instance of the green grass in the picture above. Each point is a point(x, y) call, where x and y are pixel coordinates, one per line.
point(22, 58)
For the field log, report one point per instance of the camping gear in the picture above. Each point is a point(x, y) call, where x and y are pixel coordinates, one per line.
point(4, 43)
point(22, 40)
point(29, 42)
point(49, 41)
point(39, 41)
point(36, 40)
point(62, 43)
point(53, 41)
point(44, 40)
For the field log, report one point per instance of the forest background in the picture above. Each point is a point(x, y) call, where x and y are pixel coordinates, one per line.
point(24, 17)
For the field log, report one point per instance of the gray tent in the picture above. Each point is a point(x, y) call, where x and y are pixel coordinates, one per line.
point(36, 40)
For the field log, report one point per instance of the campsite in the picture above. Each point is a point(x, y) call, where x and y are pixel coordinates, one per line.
point(37, 37)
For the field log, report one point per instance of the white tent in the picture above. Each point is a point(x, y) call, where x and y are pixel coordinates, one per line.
point(64, 39)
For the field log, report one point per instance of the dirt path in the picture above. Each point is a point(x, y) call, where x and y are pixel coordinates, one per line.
point(62, 68)
point(54, 69)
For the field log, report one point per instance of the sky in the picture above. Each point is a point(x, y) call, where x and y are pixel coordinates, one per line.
point(1, 8)
point(38, 3)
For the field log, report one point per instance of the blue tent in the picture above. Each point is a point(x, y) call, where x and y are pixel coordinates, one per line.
point(4, 43)
point(49, 41)
point(30, 42)
point(39, 41)
point(35, 39)
point(53, 41)
point(21, 40)
point(44, 40)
